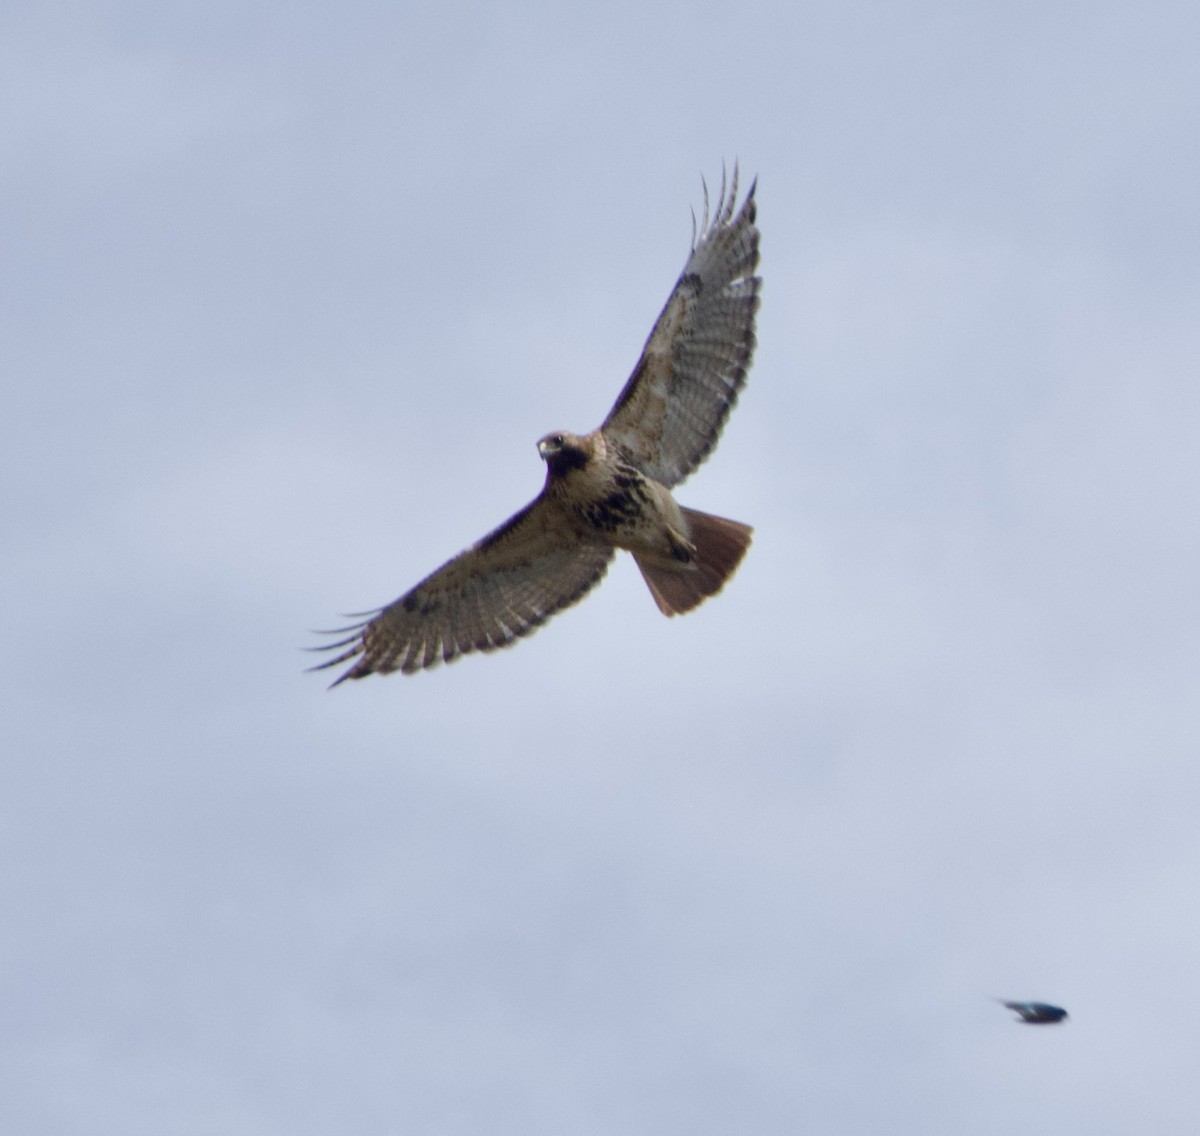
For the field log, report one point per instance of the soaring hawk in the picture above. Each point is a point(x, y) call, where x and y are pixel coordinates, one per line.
point(605, 490)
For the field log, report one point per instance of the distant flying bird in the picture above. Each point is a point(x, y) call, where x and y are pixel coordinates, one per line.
point(605, 490)
point(1036, 1013)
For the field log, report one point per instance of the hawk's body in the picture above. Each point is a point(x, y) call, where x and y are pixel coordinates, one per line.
point(606, 490)
point(685, 556)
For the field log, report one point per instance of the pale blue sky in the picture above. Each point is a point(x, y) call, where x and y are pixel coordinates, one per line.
point(290, 292)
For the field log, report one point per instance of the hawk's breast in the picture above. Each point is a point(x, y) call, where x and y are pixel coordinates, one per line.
point(623, 502)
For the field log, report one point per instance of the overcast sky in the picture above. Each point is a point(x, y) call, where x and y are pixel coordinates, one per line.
point(289, 293)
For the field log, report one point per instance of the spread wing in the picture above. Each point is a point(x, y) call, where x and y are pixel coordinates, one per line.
point(500, 589)
point(671, 412)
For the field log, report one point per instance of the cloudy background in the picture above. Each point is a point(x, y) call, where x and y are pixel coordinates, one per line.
point(289, 293)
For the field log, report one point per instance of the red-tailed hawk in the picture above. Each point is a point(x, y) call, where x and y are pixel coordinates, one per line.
point(605, 490)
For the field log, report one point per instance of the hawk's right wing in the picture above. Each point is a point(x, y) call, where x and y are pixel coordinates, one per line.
point(500, 589)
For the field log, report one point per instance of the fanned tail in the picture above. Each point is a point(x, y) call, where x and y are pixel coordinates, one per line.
point(720, 545)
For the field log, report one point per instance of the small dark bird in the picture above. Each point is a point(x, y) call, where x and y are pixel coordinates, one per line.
point(607, 490)
point(1036, 1013)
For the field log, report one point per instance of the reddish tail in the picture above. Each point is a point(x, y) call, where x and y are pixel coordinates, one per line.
point(720, 545)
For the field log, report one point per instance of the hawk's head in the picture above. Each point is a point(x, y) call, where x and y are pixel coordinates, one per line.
point(563, 452)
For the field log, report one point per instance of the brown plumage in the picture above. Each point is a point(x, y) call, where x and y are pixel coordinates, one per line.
point(605, 490)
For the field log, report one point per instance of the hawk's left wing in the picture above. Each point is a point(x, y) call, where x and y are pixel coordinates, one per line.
point(670, 414)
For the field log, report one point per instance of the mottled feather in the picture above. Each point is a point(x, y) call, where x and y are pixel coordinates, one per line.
point(671, 412)
point(498, 590)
